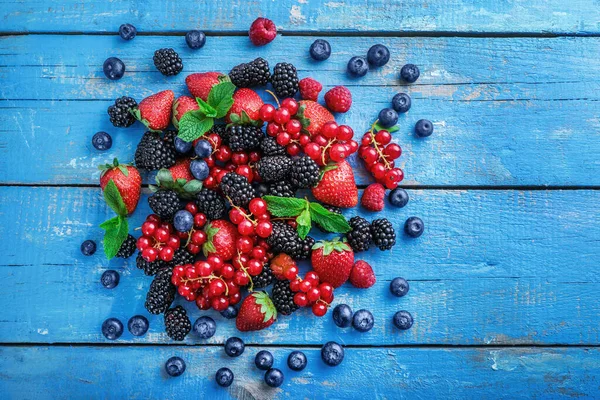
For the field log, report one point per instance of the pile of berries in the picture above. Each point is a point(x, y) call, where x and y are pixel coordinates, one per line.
point(334, 144)
point(158, 241)
point(379, 155)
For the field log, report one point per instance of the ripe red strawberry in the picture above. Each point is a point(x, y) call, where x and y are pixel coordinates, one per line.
point(338, 99)
point(362, 275)
point(262, 31)
point(127, 179)
point(372, 198)
point(256, 312)
point(199, 84)
point(310, 89)
point(221, 238)
point(245, 100)
point(332, 261)
point(337, 187)
point(317, 114)
point(181, 170)
point(182, 105)
point(155, 111)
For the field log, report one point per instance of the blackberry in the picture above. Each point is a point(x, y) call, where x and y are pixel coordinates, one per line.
point(359, 238)
point(237, 188)
point(127, 248)
point(285, 80)
point(210, 203)
point(149, 268)
point(244, 137)
point(167, 61)
point(383, 233)
point(306, 248)
point(282, 189)
point(251, 74)
point(304, 172)
point(154, 152)
point(222, 131)
point(182, 257)
point(264, 279)
point(274, 168)
point(164, 203)
point(161, 293)
point(283, 297)
point(177, 323)
point(270, 147)
point(284, 239)
point(119, 113)
point(261, 189)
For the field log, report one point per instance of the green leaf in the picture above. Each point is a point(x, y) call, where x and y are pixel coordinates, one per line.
point(304, 223)
point(393, 129)
point(208, 246)
point(220, 98)
point(116, 230)
point(193, 125)
point(113, 198)
point(206, 108)
point(163, 177)
point(285, 206)
point(328, 220)
point(267, 308)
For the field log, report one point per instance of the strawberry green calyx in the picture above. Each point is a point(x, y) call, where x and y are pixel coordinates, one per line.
point(243, 119)
point(138, 115)
point(329, 246)
point(115, 164)
point(186, 189)
point(304, 121)
point(208, 246)
point(267, 308)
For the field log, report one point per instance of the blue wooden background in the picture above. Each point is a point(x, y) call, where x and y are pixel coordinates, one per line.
point(504, 282)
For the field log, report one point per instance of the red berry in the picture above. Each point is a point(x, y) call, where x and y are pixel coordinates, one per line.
point(191, 207)
point(161, 235)
point(203, 268)
point(143, 242)
point(394, 175)
point(303, 140)
point(383, 137)
point(199, 238)
point(173, 242)
point(293, 149)
point(153, 218)
point(282, 115)
point(166, 253)
point(290, 104)
point(240, 262)
point(210, 182)
point(320, 140)
point(313, 294)
point(203, 303)
point(295, 285)
point(300, 299)
point(193, 248)
point(309, 89)
point(312, 150)
point(184, 290)
point(215, 261)
point(367, 139)
point(257, 206)
point(338, 99)
point(312, 277)
point(264, 229)
point(266, 112)
point(245, 228)
point(329, 129)
point(244, 244)
point(210, 161)
point(273, 129)
point(291, 273)
point(236, 215)
point(240, 278)
point(215, 140)
point(337, 152)
point(234, 299)
point(227, 271)
point(254, 156)
point(190, 271)
point(232, 287)
point(326, 290)
point(149, 227)
point(353, 144)
point(149, 254)
point(293, 126)
point(378, 170)
point(262, 31)
point(199, 220)
point(216, 287)
point(254, 267)
point(393, 151)
point(258, 252)
point(219, 303)
point(327, 298)
point(305, 286)
point(239, 158)
point(263, 217)
point(370, 155)
point(344, 132)
point(283, 138)
point(319, 309)
point(223, 154)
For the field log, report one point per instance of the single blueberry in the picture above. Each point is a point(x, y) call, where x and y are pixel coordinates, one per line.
point(138, 325)
point(195, 39)
point(398, 197)
point(175, 366)
point(205, 327)
point(297, 361)
point(332, 354)
point(363, 320)
point(401, 102)
point(403, 320)
point(127, 31)
point(199, 169)
point(410, 73)
point(113, 68)
point(230, 312)
point(414, 227)
point(263, 360)
point(224, 377)
point(378, 55)
point(110, 279)
point(88, 247)
point(320, 50)
point(342, 315)
point(183, 221)
point(203, 148)
point(358, 66)
point(234, 346)
point(388, 117)
point(274, 377)
point(101, 141)
point(181, 146)
point(112, 329)
point(399, 287)
point(423, 128)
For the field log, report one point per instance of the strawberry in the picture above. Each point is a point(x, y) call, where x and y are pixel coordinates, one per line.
point(280, 264)
point(332, 261)
point(256, 312)
point(372, 198)
point(181, 170)
point(362, 275)
point(221, 239)
point(155, 111)
point(182, 105)
point(337, 187)
point(317, 114)
point(200, 84)
point(126, 178)
point(246, 100)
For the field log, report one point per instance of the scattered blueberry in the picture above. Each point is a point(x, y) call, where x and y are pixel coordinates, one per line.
point(403, 320)
point(203, 148)
point(410, 73)
point(414, 227)
point(175, 366)
point(378, 55)
point(195, 39)
point(110, 279)
point(401, 102)
point(88, 247)
point(320, 50)
point(199, 169)
point(363, 320)
point(263, 360)
point(274, 377)
point(297, 361)
point(342, 315)
point(181, 146)
point(205, 327)
point(388, 117)
point(224, 377)
point(138, 325)
point(234, 346)
point(230, 312)
point(398, 197)
point(332, 354)
point(127, 31)
point(113, 68)
point(183, 221)
point(358, 66)
point(112, 329)
point(101, 141)
point(399, 287)
point(423, 128)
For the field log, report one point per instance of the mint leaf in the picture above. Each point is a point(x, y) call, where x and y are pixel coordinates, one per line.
point(116, 230)
point(221, 98)
point(285, 206)
point(393, 129)
point(193, 125)
point(113, 198)
point(327, 220)
point(304, 223)
point(206, 108)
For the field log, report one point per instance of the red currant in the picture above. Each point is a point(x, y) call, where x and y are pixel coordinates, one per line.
point(370, 155)
point(174, 242)
point(219, 303)
point(153, 218)
point(244, 244)
point(305, 286)
point(293, 126)
point(148, 228)
point(282, 115)
point(184, 290)
point(227, 271)
point(367, 139)
point(143, 242)
point(319, 309)
point(353, 146)
point(312, 277)
point(383, 137)
point(190, 271)
point(295, 285)
point(337, 152)
point(312, 150)
point(293, 149)
point(254, 267)
point(236, 215)
point(199, 220)
point(291, 273)
point(258, 252)
point(245, 228)
point(216, 287)
point(203, 303)
point(149, 254)
point(273, 129)
point(329, 129)
point(254, 156)
point(344, 132)
point(234, 299)
point(166, 253)
point(204, 268)
point(191, 207)
point(257, 206)
point(161, 235)
point(300, 299)
point(223, 154)
point(283, 138)
point(210, 161)
point(193, 248)
point(378, 170)
point(215, 261)
point(264, 229)
point(313, 294)
point(199, 238)
point(303, 140)
point(320, 140)
point(241, 279)
point(326, 289)
point(266, 112)
point(290, 104)
point(393, 151)
point(239, 158)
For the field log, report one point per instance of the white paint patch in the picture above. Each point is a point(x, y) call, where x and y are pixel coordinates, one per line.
point(42, 331)
point(334, 4)
point(296, 16)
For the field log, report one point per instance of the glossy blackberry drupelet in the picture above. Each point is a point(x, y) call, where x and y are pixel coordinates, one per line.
point(283, 297)
point(167, 61)
point(305, 250)
point(182, 257)
point(274, 168)
point(304, 172)
point(164, 203)
point(210, 203)
point(155, 152)
point(251, 74)
point(333, 209)
point(282, 189)
point(384, 235)
point(237, 188)
point(150, 268)
point(360, 237)
point(161, 293)
point(120, 112)
point(285, 80)
point(222, 131)
point(177, 323)
point(284, 239)
point(270, 147)
point(244, 137)
point(264, 279)
point(127, 248)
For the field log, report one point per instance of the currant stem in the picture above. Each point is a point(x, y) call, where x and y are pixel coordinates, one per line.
point(274, 96)
point(379, 153)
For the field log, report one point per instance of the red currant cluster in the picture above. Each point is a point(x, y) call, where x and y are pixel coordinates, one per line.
point(256, 222)
point(195, 237)
point(379, 154)
point(334, 143)
point(158, 240)
point(285, 129)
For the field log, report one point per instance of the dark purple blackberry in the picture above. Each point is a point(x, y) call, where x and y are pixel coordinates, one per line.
point(384, 235)
point(127, 247)
point(270, 147)
point(306, 248)
point(283, 297)
point(149, 268)
point(244, 137)
point(285, 80)
point(177, 323)
point(251, 74)
point(119, 113)
point(222, 131)
point(264, 279)
point(237, 188)
point(359, 238)
point(164, 203)
point(161, 293)
point(304, 173)
point(261, 189)
point(274, 168)
point(182, 257)
point(155, 152)
point(282, 189)
point(210, 203)
point(167, 61)
point(285, 239)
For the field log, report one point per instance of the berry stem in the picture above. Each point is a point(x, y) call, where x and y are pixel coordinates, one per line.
point(274, 96)
point(379, 152)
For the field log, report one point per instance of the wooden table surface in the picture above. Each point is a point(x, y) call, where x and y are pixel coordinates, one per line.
point(504, 282)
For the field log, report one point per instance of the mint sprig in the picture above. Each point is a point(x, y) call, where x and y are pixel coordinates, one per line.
point(116, 229)
point(391, 129)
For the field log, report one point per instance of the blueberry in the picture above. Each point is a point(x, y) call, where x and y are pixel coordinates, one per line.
point(399, 287)
point(230, 312)
point(127, 31)
point(195, 39)
point(113, 68)
point(101, 141)
point(175, 366)
point(224, 377)
point(414, 227)
point(199, 169)
point(388, 117)
point(410, 73)
point(363, 320)
point(401, 102)
point(88, 247)
point(263, 360)
point(403, 320)
point(342, 315)
point(358, 66)
point(378, 55)
point(297, 361)
point(183, 221)
point(203, 148)
point(332, 354)
point(398, 197)
point(274, 377)
point(181, 146)
point(320, 50)
point(138, 325)
point(112, 329)
point(423, 128)
point(234, 346)
point(205, 327)
point(110, 279)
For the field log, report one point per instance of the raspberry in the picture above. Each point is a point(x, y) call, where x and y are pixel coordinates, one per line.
point(177, 323)
point(242, 137)
point(372, 198)
point(285, 80)
point(119, 113)
point(338, 99)
point(274, 168)
point(127, 248)
point(161, 293)
point(304, 173)
point(262, 31)
point(264, 279)
point(310, 89)
point(362, 275)
point(154, 152)
point(150, 268)
point(282, 189)
point(383, 233)
point(270, 147)
point(283, 297)
point(254, 73)
point(360, 237)
point(164, 203)
point(237, 188)
point(210, 203)
point(167, 61)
